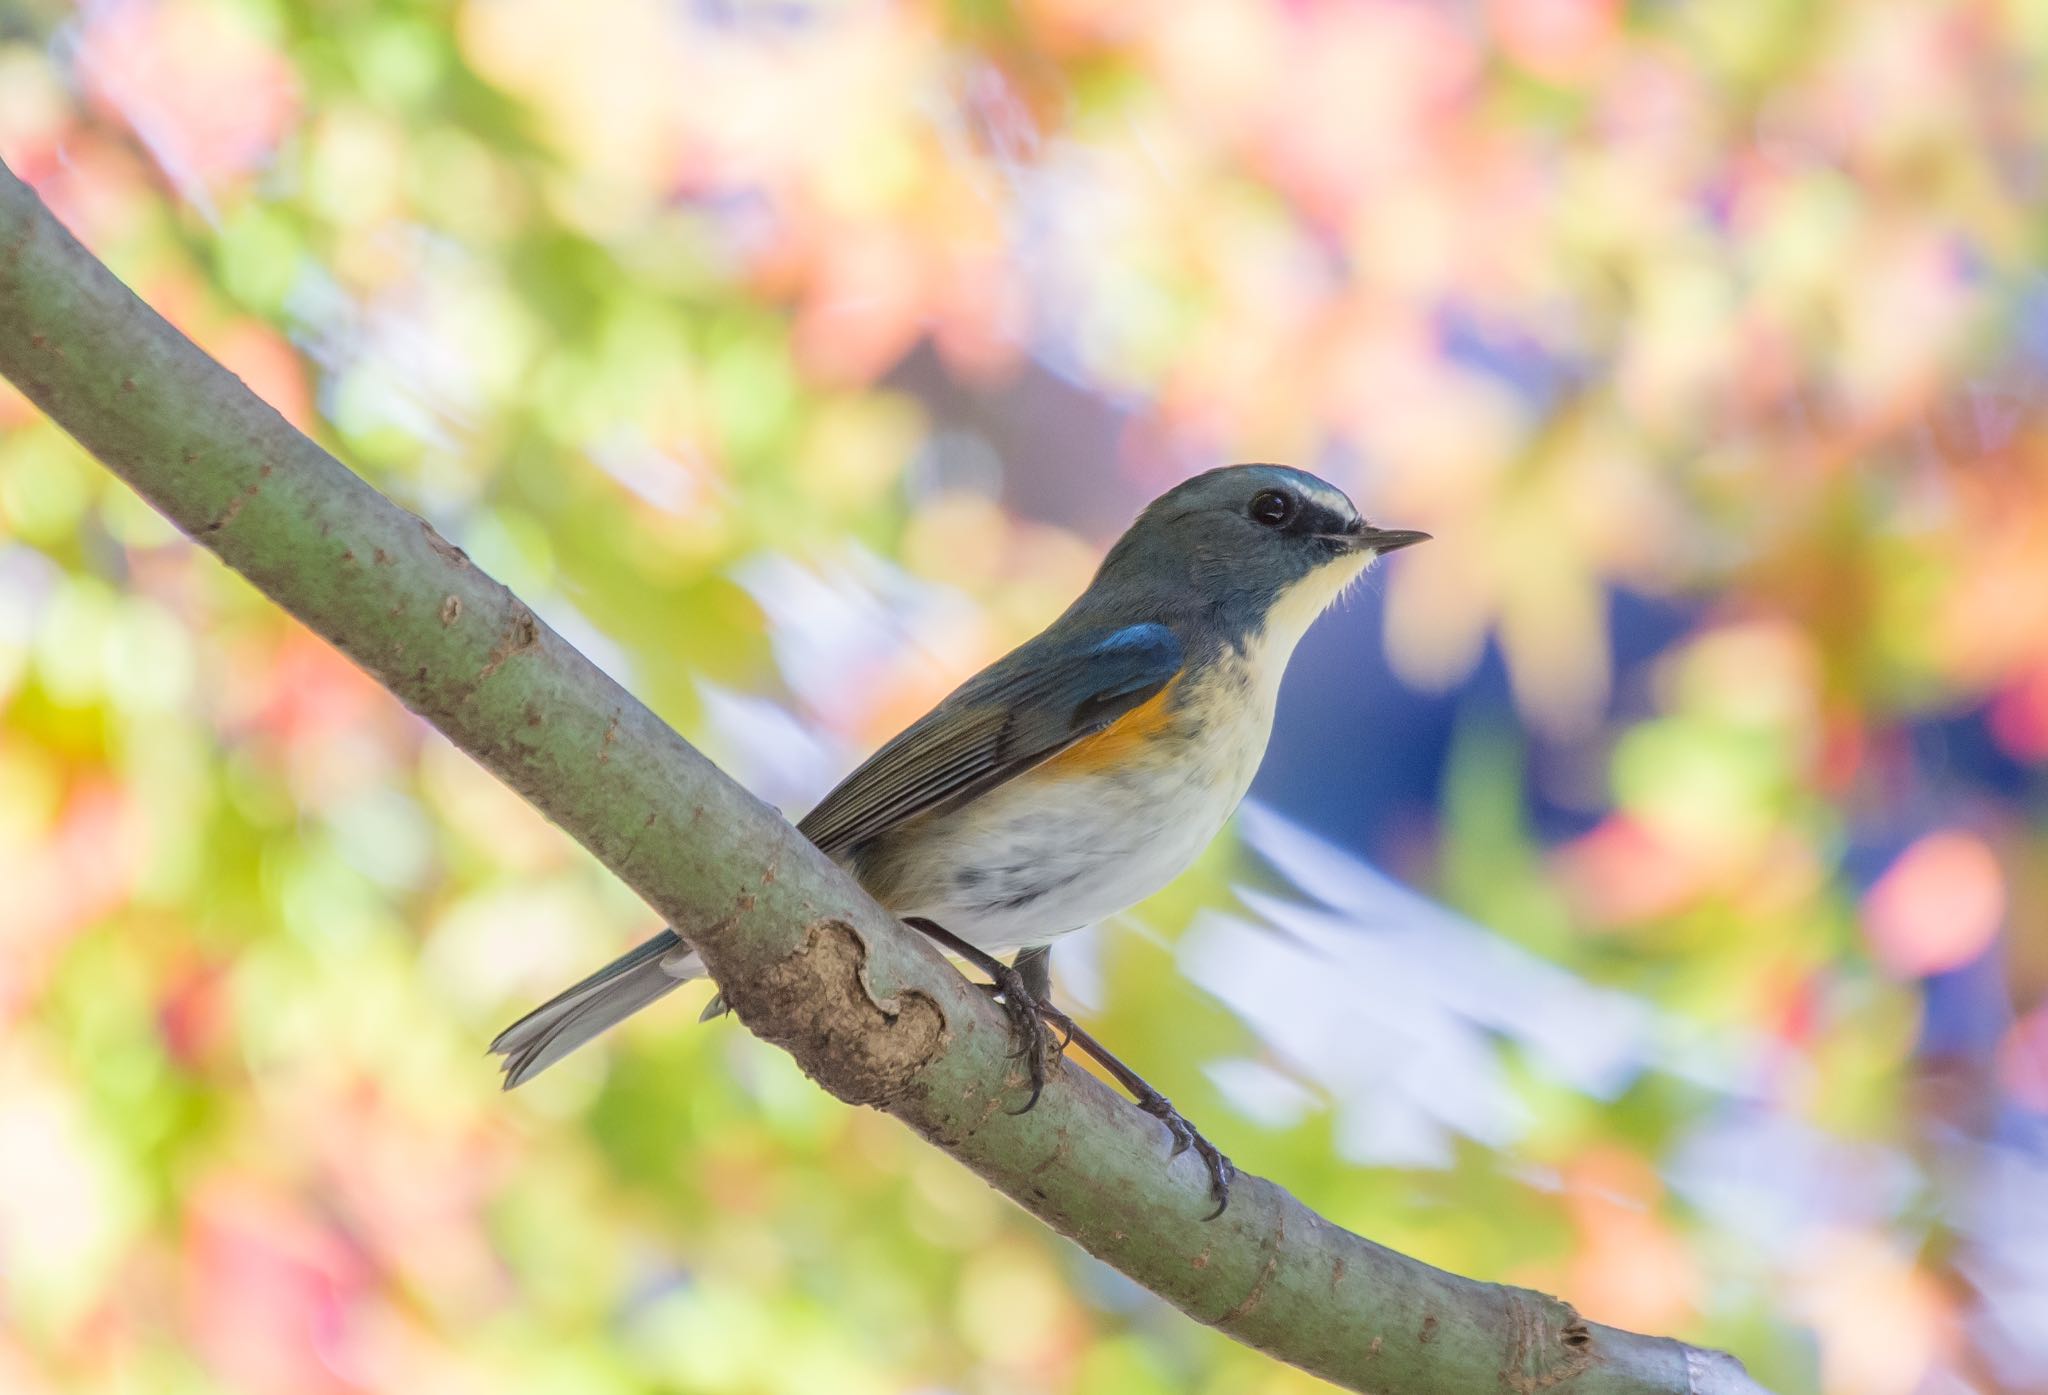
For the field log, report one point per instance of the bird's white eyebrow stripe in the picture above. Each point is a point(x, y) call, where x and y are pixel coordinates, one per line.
point(1333, 500)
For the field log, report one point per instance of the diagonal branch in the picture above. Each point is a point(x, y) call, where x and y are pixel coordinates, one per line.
point(808, 961)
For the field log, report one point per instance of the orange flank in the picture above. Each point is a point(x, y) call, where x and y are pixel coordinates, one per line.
point(1121, 741)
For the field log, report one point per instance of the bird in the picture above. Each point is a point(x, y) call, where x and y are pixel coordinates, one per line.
point(1072, 778)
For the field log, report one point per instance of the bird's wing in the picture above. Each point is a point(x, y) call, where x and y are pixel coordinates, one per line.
point(1020, 711)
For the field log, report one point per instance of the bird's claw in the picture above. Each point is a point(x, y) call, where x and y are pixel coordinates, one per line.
point(1035, 1024)
point(1186, 1136)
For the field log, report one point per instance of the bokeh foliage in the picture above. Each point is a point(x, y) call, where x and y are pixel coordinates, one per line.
point(795, 359)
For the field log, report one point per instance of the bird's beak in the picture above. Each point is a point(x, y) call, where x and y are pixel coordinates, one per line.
point(1382, 540)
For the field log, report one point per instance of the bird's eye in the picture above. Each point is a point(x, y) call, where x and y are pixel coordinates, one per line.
point(1272, 507)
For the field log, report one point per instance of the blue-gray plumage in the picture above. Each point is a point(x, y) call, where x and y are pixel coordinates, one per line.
point(1081, 772)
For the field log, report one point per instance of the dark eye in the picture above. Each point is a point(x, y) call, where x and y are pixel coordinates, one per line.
point(1273, 507)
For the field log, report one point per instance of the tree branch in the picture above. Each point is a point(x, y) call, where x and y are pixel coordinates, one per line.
point(808, 961)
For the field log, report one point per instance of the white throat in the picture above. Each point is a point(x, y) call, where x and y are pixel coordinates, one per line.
point(1296, 609)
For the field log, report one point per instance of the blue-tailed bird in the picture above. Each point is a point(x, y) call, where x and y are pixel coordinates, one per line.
point(1075, 776)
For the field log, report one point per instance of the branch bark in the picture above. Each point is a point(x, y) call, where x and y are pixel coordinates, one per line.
point(807, 960)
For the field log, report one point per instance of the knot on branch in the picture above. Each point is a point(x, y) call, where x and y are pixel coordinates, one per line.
point(816, 1004)
point(1551, 1343)
point(522, 632)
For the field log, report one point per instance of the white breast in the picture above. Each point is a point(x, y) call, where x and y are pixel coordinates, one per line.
point(1038, 858)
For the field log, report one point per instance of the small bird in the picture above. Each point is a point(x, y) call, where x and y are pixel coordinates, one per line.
point(1075, 776)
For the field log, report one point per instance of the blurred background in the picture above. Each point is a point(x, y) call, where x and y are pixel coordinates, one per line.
point(1647, 894)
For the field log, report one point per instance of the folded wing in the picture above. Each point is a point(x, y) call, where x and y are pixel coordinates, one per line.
point(1020, 711)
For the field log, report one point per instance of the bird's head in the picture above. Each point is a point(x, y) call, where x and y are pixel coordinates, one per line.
point(1260, 550)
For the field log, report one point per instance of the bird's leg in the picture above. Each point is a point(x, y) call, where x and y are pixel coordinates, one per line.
point(1031, 1017)
point(1185, 1136)
point(1029, 981)
point(1034, 966)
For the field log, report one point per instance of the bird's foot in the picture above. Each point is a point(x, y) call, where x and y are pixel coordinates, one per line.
point(1186, 1136)
point(1031, 1017)
point(1035, 1020)
point(1043, 1031)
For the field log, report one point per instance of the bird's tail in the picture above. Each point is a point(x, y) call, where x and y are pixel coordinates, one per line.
point(612, 994)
